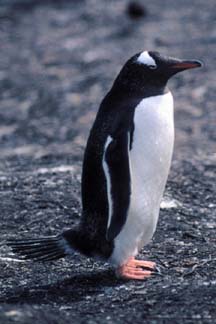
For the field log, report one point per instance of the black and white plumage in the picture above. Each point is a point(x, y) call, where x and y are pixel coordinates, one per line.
point(125, 168)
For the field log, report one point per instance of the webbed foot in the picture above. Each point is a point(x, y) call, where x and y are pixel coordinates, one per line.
point(133, 269)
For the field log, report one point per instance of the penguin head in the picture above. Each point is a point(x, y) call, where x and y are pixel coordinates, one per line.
point(151, 69)
point(155, 65)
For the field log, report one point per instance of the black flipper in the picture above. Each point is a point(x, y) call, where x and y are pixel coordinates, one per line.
point(117, 159)
point(44, 249)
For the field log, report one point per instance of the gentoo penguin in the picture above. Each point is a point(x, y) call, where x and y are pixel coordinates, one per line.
point(125, 169)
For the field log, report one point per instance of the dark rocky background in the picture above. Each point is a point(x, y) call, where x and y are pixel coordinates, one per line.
point(57, 61)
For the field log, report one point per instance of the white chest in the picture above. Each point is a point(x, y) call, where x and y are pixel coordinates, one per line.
point(152, 148)
point(150, 160)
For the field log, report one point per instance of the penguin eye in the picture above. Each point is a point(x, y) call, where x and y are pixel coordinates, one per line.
point(152, 67)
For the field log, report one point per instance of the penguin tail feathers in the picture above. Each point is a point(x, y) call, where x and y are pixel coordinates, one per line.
point(43, 249)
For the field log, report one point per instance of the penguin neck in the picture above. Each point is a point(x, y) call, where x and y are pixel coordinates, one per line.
point(139, 85)
point(145, 89)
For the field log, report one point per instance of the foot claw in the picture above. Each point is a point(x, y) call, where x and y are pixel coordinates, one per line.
point(145, 264)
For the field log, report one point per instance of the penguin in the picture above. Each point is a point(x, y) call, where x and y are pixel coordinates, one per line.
point(125, 169)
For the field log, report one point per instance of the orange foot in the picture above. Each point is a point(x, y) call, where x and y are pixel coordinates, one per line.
point(133, 269)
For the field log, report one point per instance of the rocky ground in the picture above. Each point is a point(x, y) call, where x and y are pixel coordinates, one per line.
point(58, 59)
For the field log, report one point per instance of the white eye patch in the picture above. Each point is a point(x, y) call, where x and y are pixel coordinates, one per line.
point(145, 58)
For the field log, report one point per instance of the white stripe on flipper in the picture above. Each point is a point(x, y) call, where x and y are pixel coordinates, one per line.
point(108, 180)
point(145, 58)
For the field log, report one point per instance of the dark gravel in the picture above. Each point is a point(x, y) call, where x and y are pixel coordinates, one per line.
point(58, 59)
